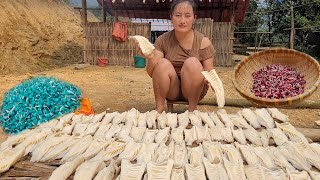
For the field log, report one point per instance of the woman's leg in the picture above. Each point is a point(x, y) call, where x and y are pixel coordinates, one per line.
point(192, 81)
point(166, 84)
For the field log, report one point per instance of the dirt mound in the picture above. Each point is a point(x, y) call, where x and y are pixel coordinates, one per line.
point(37, 35)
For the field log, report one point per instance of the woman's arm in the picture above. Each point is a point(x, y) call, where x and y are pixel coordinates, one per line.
point(208, 64)
point(152, 61)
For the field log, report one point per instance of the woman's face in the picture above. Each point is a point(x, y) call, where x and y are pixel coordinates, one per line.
point(183, 17)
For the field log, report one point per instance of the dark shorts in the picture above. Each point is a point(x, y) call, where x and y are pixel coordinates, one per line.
point(202, 95)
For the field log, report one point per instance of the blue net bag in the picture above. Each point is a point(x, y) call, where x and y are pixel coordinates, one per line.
point(37, 100)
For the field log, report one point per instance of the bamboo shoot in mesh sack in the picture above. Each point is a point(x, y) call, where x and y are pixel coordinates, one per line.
point(145, 45)
point(216, 85)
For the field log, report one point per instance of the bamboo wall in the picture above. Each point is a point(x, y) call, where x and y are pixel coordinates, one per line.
point(100, 43)
point(222, 35)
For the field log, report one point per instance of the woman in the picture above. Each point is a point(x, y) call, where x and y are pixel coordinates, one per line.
point(179, 57)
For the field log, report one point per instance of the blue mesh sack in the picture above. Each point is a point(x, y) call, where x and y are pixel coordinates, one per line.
point(37, 100)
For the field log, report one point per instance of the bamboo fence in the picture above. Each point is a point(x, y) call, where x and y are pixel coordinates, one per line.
point(99, 42)
point(222, 35)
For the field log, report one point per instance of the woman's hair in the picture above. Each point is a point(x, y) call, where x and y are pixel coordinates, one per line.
point(176, 2)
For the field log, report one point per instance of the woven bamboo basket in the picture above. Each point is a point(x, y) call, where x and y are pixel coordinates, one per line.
point(303, 63)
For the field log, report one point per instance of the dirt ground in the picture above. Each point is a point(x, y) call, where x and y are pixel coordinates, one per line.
point(117, 88)
point(38, 35)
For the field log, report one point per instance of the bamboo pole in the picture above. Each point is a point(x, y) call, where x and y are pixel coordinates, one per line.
point(217, 43)
point(95, 43)
point(292, 28)
point(89, 44)
point(129, 47)
point(223, 34)
point(113, 44)
point(232, 40)
point(106, 41)
point(84, 53)
point(228, 44)
point(226, 48)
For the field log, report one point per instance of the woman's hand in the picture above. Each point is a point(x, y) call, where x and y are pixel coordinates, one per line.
point(207, 66)
point(206, 82)
point(139, 51)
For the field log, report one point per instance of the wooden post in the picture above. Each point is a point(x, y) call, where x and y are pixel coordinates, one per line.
point(256, 41)
point(269, 20)
point(292, 28)
point(230, 48)
point(103, 11)
point(84, 12)
point(84, 25)
point(232, 14)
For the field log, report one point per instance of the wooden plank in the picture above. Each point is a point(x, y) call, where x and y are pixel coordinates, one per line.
point(313, 134)
point(26, 173)
point(28, 169)
point(245, 103)
point(27, 165)
point(53, 163)
point(20, 178)
point(81, 66)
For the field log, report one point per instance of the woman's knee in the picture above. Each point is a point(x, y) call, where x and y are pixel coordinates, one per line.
point(192, 65)
point(163, 66)
point(155, 68)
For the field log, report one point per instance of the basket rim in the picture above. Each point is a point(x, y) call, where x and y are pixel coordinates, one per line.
point(275, 102)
